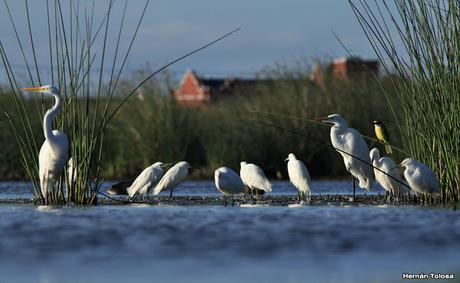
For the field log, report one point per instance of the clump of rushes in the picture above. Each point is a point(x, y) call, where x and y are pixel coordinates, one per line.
point(420, 42)
point(87, 71)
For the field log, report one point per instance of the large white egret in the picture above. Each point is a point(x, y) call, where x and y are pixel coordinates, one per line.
point(350, 141)
point(228, 182)
point(298, 175)
point(173, 177)
point(254, 177)
point(420, 177)
point(148, 178)
point(387, 165)
point(53, 153)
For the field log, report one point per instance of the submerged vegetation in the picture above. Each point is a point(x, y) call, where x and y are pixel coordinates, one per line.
point(428, 33)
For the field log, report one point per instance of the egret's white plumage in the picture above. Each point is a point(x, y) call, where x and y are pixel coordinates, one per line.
point(254, 177)
point(148, 178)
point(228, 182)
point(71, 172)
point(351, 141)
point(388, 166)
point(298, 175)
point(53, 153)
point(420, 177)
point(173, 177)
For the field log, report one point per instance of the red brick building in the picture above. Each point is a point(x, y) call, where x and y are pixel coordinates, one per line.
point(195, 91)
point(345, 68)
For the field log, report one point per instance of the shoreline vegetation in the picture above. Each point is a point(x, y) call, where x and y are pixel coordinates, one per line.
point(120, 123)
point(152, 126)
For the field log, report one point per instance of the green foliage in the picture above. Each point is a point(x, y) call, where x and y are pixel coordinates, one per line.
point(428, 85)
point(235, 128)
point(77, 58)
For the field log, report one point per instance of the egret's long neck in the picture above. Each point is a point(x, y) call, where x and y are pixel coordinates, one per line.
point(339, 128)
point(48, 119)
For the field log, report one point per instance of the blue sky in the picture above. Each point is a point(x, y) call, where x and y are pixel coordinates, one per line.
point(272, 31)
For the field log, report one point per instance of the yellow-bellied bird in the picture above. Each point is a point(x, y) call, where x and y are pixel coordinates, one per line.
point(381, 133)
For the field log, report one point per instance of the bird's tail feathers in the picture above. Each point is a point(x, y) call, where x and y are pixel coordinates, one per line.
point(130, 191)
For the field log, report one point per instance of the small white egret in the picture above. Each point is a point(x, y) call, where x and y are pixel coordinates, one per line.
point(173, 177)
point(299, 176)
point(71, 173)
point(350, 141)
point(253, 177)
point(145, 182)
point(228, 182)
point(387, 165)
point(53, 153)
point(420, 177)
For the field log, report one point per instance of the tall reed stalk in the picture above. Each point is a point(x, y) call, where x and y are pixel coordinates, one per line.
point(419, 40)
point(87, 71)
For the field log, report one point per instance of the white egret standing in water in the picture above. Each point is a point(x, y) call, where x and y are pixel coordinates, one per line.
point(387, 165)
point(173, 177)
point(298, 175)
point(420, 177)
point(253, 177)
point(228, 182)
point(53, 153)
point(148, 178)
point(350, 140)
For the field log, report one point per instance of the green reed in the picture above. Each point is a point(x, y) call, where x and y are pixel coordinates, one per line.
point(79, 57)
point(420, 42)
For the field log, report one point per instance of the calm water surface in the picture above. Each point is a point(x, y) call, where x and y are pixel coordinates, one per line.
point(139, 243)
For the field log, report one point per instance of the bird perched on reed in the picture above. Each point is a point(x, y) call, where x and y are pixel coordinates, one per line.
point(381, 133)
point(354, 150)
point(393, 186)
point(173, 177)
point(146, 181)
point(420, 177)
point(54, 151)
point(228, 182)
point(254, 177)
point(299, 176)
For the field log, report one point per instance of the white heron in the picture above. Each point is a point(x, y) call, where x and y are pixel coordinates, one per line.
point(253, 177)
point(53, 153)
point(71, 173)
point(228, 182)
point(391, 186)
point(173, 177)
point(145, 182)
point(298, 175)
point(420, 177)
point(349, 140)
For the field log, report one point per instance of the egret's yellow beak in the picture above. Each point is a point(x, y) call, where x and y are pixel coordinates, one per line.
point(287, 159)
point(322, 119)
point(34, 89)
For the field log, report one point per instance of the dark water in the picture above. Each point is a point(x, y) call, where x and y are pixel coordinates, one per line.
point(139, 243)
point(16, 190)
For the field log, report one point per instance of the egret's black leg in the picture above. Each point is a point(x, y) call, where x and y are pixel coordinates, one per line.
point(170, 194)
point(354, 188)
